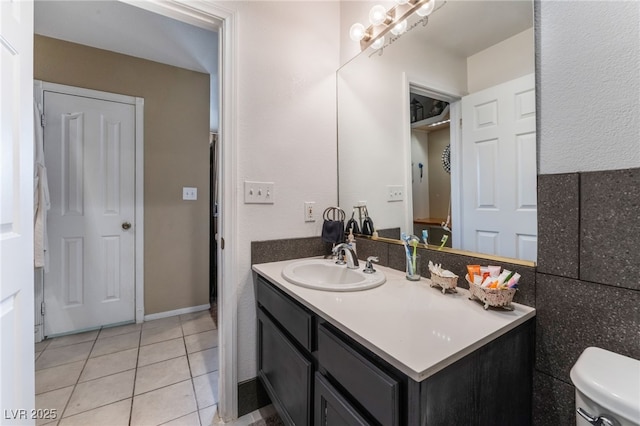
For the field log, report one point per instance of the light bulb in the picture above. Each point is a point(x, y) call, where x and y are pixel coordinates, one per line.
point(426, 8)
point(356, 32)
point(378, 43)
point(399, 28)
point(377, 15)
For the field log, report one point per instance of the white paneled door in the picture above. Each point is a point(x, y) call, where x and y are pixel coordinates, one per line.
point(499, 203)
point(90, 156)
point(16, 213)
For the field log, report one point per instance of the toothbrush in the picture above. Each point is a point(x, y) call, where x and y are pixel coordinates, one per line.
point(425, 237)
point(414, 243)
point(443, 241)
point(405, 242)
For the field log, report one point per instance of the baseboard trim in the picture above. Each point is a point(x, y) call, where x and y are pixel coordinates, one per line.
point(175, 312)
point(251, 396)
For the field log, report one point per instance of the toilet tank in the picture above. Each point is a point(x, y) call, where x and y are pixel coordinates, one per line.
point(607, 384)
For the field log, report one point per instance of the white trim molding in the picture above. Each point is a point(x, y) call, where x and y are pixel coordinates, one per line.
point(181, 311)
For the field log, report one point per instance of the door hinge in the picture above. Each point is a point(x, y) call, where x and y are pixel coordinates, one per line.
point(42, 309)
point(221, 243)
point(461, 123)
point(42, 120)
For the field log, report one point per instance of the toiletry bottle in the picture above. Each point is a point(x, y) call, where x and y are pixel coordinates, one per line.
point(351, 241)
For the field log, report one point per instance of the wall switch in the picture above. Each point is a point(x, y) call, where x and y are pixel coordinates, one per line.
point(259, 192)
point(309, 211)
point(395, 193)
point(190, 194)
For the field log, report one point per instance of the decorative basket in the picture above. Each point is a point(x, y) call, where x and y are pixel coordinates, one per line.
point(498, 298)
point(446, 283)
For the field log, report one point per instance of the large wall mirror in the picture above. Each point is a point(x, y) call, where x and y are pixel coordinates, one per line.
point(436, 131)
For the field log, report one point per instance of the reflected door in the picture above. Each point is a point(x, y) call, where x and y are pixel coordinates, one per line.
point(89, 153)
point(499, 204)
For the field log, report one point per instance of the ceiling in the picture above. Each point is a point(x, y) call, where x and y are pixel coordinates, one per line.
point(466, 27)
point(120, 27)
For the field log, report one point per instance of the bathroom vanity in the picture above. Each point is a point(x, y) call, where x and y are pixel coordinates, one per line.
point(402, 353)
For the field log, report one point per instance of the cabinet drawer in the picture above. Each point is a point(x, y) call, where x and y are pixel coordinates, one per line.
point(372, 388)
point(295, 319)
point(285, 372)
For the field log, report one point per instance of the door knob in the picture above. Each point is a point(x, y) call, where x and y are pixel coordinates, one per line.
point(126, 225)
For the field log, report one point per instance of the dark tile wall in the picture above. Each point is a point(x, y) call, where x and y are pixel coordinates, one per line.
point(588, 280)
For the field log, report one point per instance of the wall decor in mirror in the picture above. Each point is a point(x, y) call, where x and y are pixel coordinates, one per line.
point(437, 128)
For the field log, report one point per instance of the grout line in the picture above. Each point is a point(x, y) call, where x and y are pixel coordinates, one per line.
point(79, 375)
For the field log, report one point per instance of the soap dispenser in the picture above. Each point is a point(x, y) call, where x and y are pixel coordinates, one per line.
point(351, 240)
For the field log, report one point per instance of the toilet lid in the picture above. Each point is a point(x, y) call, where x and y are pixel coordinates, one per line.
point(610, 380)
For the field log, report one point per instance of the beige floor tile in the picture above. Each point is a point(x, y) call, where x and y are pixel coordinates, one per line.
point(198, 325)
point(37, 354)
point(55, 401)
point(161, 374)
point(207, 415)
point(41, 346)
point(116, 414)
point(64, 355)
point(206, 387)
point(193, 315)
point(161, 351)
point(191, 419)
point(99, 392)
point(109, 345)
point(106, 365)
point(162, 322)
point(72, 339)
point(61, 376)
point(118, 330)
point(201, 341)
point(160, 334)
point(164, 404)
point(203, 362)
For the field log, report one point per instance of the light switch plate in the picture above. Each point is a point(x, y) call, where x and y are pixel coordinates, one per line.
point(395, 193)
point(259, 192)
point(189, 193)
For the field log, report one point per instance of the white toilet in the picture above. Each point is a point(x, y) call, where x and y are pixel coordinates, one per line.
point(607, 389)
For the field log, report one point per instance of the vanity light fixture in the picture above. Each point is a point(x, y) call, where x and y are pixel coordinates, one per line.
point(394, 20)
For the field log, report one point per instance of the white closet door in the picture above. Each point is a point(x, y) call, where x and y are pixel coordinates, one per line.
point(89, 151)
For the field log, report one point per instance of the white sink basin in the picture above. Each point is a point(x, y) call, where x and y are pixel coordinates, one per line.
point(324, 274)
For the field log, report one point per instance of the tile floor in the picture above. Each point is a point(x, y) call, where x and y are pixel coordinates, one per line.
point(162, 372)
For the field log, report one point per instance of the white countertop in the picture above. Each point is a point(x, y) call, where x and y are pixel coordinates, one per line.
point(409, 324)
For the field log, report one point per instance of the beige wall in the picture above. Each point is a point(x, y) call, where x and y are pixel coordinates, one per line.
point(439, 179)
point(176, 154)
point(507, 60)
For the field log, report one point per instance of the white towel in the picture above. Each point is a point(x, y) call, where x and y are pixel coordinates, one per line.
point(41, 202)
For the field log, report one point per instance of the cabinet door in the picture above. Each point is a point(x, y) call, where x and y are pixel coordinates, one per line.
point(331, 408)
point(285, 373)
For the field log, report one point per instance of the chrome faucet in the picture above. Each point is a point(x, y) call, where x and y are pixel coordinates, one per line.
point(352, 259)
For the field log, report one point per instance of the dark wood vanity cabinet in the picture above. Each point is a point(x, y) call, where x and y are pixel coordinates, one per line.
point(317, 375)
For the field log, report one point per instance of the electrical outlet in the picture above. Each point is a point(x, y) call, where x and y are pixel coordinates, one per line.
point(259, 192)
point(309, 211)
point(395, 193)
point(189, 194)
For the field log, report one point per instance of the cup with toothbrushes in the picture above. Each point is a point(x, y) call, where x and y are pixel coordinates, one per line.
point(410, 243)
point(492, 285)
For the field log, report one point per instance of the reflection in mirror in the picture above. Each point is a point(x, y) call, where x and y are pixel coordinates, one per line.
point(456, 93)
